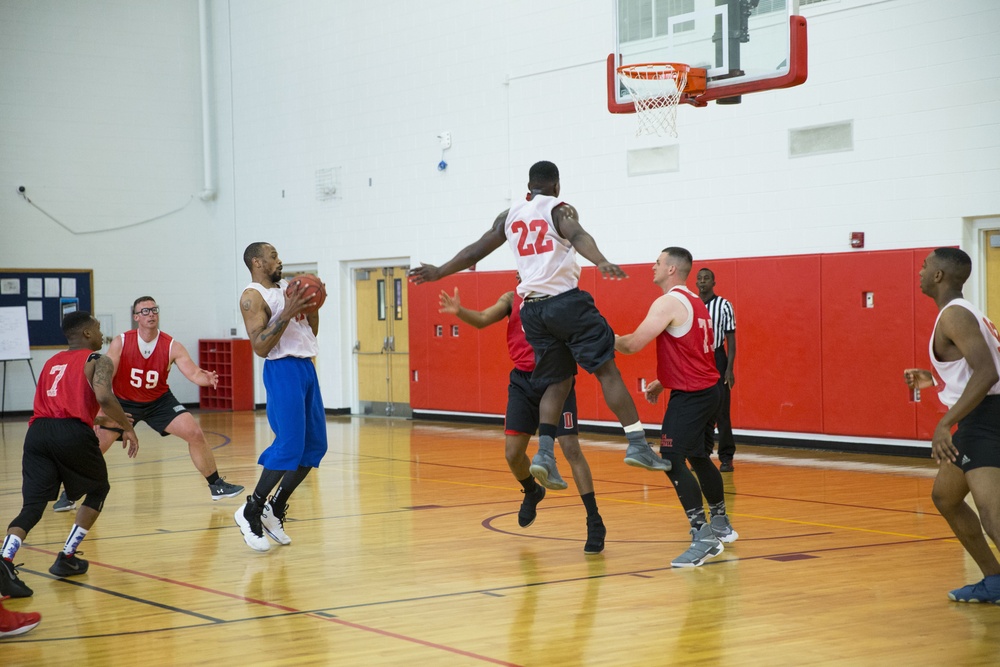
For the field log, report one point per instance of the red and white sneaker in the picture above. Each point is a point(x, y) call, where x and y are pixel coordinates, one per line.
point(15, 623)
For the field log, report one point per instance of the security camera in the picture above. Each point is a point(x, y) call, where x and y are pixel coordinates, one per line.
point(21, 189)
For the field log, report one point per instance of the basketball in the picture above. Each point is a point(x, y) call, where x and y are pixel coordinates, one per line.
point(314, 288)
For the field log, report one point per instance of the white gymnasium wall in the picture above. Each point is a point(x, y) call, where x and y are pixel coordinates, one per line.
point(100, 121)
point(365, 88)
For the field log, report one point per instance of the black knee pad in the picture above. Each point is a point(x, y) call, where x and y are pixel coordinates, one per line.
point(29, 517)
point(95, 499)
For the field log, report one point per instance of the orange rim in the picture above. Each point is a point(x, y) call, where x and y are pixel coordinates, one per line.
point(634, 71)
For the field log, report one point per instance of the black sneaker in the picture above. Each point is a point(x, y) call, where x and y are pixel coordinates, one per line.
point(223, 489)
point(725, 465)
point(526, 515)
point(10, 585)
point(68, 566)
point(595, 535)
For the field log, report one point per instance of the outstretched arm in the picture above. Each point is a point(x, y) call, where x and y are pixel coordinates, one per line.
point(567, 222)
point(191, 370)
point(480, 319)
point(466, 257)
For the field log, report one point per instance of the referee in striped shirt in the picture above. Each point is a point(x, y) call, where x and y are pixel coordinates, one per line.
point(724, 327)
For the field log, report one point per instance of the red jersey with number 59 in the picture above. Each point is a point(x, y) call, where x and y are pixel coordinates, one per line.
point(63, 390)
point(685, 358)
point(141, 378)
point(545, 260)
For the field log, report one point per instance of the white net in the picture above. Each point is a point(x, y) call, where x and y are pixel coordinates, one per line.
point(656, 90)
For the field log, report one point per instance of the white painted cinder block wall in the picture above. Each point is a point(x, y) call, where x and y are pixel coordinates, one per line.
point(365, 88)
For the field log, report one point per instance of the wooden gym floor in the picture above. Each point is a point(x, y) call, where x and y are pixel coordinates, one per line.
point(406, 551)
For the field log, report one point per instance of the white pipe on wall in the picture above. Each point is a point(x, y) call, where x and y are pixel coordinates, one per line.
point(209, 191)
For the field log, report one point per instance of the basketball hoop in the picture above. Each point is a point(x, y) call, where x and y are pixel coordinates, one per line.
point(656, 89)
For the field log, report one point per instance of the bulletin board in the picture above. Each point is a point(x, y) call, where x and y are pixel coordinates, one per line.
point(47, 296)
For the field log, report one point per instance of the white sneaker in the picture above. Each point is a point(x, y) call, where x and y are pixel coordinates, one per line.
point(253, 532)
point(274, 524)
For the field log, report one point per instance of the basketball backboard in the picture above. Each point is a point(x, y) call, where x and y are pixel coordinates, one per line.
point(744, 46)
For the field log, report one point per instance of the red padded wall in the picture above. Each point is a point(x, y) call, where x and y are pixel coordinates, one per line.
point(778, 339)
point(864, 353)
point(810, 358)
point(442, 387)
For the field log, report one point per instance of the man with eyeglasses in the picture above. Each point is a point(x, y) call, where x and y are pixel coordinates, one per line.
point(142, 358)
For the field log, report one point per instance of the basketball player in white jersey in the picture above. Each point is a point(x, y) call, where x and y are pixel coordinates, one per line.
point(685, 363)
point(560, 320)
point(285, 336)
point(965, 353)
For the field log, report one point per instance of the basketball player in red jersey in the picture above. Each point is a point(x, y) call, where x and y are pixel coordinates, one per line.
point(521, 420)
point(685, 364)
point(61, 447)
point(560, 320)
point(142, 359)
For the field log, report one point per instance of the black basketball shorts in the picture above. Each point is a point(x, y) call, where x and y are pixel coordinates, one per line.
point(522, 407)
point(566, 330)
point(977, 437)
point(61, 451)
point(689, 415)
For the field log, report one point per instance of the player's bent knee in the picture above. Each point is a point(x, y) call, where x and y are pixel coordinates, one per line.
point(29, 517)
point(95, 499)
point(678, 464)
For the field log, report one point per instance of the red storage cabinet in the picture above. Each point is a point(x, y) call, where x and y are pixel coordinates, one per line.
point(232, 359)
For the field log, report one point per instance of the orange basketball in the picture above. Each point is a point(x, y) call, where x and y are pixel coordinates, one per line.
point(314, 288)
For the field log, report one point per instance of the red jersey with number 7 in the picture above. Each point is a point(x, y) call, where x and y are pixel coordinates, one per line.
point(142, 370)
point(546, 261)
point(63, 390)
point(685, 357)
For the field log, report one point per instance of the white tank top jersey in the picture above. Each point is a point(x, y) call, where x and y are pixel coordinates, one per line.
point(546, 261)
point(956, 374)
point(298, 339)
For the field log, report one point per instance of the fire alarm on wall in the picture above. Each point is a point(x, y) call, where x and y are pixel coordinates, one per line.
point(857, 239)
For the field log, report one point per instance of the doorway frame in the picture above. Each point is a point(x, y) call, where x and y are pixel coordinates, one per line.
point(348, 291)
point(972, 235)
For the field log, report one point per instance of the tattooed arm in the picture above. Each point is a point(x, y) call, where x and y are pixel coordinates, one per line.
point(256, 315)
point(100, 370)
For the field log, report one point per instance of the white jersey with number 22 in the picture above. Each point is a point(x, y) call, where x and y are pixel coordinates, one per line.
point(546, 261)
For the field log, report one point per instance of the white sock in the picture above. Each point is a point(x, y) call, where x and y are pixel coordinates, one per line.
point(632, 428)
point(11, 544)
point(76, 536)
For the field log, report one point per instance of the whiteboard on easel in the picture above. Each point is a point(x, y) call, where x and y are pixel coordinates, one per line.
point(14, 344)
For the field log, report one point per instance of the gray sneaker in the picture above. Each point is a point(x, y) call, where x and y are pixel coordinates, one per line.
point(643, 456)
point(543, 468)
point(64, 504)
point(723, 529)
point(704, 545)
point(223, 489)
